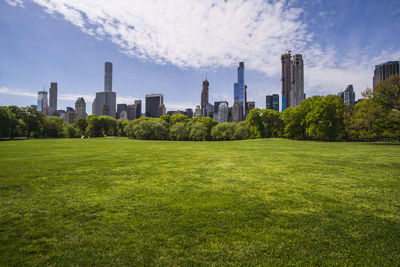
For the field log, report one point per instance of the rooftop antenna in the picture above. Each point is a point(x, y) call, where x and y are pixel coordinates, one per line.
point(206, 75)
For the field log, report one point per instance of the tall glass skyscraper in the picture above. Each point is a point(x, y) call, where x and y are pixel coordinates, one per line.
point(42, 102)
point(239, 87)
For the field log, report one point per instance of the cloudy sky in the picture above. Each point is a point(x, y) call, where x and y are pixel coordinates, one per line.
point(167, 46)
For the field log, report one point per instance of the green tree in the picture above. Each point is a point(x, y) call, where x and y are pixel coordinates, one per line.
point(325, 119)
point(224, 131)
point(121, 125)
point(386, 93)
point(272, 123)
point(242, 131)
point(372, 121)
point(70, 131)
point(178, 118)
point(255, 123)
point(166, 118)
point(16, 125)
point(81, 125)
point(179, 131)
point(34, 121)
point(198, 131)
point(53, 127)
point(5, 121)
point(209, 124)
point(148, 129)
point(94, 127)
point(108, 125)
point(294, 120)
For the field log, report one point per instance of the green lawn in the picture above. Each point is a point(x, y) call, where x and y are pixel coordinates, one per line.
point(269, 202)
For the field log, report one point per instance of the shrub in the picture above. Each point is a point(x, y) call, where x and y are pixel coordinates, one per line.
point(198, 131)
point(242, 131)
point(179, 131)
point(148, 129)
point(53, 127)
point(224, 131)
point(70, 131)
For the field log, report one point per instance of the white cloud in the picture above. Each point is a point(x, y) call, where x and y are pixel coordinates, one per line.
point(15, 3)
point(17, 92)
point(198, 33)
point(217, 33)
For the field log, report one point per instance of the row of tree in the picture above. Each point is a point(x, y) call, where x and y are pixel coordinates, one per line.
point(377, 117)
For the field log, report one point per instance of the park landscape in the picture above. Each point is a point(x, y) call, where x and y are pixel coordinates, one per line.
point(118, 201)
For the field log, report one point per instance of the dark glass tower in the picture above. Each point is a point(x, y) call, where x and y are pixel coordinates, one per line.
point(239, 88)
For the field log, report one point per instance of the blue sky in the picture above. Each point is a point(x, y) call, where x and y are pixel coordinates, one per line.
point(168, 46)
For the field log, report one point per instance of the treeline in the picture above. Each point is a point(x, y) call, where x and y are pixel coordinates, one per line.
point(326, 118)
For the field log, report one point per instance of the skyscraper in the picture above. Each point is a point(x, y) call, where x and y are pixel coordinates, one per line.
point(108, 77)
point(105, 102)
point(138, 109)
point(223, 112)
point(275, 102)
point(53, 99)
point(249, 106)
point(239, 92)
point(130, 112)
point(120, 107)
point(297, 80)
point(292, 80)
point(286, 60)
point(153, 101)
point(204, 97)
point(42, 102)
point(348, 95)
point(237, 112)
point(385, 70)
point(161, 110)
point(80, 108)
point(272, 102)
point(189, 113)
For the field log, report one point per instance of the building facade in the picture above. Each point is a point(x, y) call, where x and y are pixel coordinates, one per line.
point(237, 112)
point(105, 102)
point(138, 109)
point(292, 80)
point(80, 108)
point(162, 110)
point(249, 106)
point(272, 102)
point(120, 107)
point(130, 112)
point(53, 99)
point(153, 101)
point(239, 92)
point(348, 95)
point(108, 69)
point(297, 79)
point(42, 102)
point(385, 70)
point(223, 112)
point(189, 113)
point(204, 97)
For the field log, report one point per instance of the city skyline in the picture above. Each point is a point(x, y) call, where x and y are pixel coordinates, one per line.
point(43, 43)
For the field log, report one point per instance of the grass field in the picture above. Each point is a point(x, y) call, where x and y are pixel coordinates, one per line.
point(269, 202)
